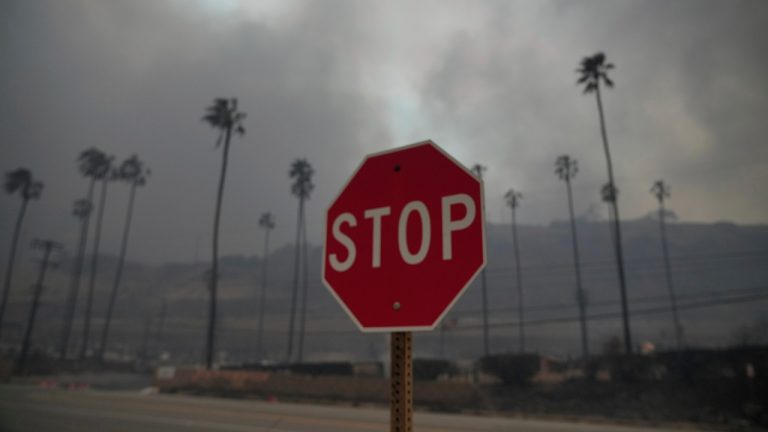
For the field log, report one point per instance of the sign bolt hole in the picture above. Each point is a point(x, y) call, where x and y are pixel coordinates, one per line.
point(396, 306)
point(397, 168)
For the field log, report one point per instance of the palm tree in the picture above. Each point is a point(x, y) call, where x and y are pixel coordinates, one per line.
point(661, 191)
point(48, 246)
point(566, 168)
point(82, 211)
point(92, 165)
point(99, 165)
point(304, 287)
point(267, 222)
point(133, 171)
point(478, 170)
point(22, 182)
point(223, 116)
point(513, 198)
point(592, 71)
point(301, 171)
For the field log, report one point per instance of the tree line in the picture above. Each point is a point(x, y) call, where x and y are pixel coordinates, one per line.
point(593, 74)
point(224, 115)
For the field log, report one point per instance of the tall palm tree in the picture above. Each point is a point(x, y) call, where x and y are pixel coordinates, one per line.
point(19, 181)
point(512, 197)
point(132, 171)
point(301, 171)
point(593, 71)
point(82, 211)
point(566, 168)
point(92, 165)
point(224, 116)
point(661, 191)
point(100, 165)
point(478, 170)
point(48, 246)
point(266, 221)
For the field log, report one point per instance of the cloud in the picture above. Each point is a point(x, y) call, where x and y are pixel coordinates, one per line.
point(492, 82)
point(135, 78)
point(688, 105)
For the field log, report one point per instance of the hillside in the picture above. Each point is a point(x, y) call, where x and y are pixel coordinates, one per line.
point(720, 273)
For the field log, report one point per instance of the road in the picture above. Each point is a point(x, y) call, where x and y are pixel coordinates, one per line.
point(27, 408)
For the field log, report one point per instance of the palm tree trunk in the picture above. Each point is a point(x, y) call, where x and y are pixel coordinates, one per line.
point(484, 290)
point(297, 258)
point(670, 284)
point(518, 276)
point(616, 230)
point(580, 294)
point(304, 288)
point(263, 296)
point(161, 320)
point(211, 340)
point(146, 335)
point(118, 273)
point(33, 311)
point(11, 259)
point(94, 270)
point(77, 274)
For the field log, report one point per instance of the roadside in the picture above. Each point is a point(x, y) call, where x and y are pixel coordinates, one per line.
point(24, 408)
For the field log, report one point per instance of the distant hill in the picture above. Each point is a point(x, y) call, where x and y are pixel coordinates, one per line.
point(720, 273)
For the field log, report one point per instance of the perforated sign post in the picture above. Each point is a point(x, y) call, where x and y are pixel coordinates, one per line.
point(404, 239)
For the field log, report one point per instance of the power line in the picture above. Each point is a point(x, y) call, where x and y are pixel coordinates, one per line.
point(635, 312)
point(609, 264)
point(700, 304)
point(604, 303)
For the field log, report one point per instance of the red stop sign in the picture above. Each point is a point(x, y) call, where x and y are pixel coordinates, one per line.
point(404, 238)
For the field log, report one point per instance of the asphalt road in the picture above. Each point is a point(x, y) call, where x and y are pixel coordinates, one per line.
point(27, 408)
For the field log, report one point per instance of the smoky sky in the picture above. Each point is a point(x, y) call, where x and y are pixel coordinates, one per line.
point(330, 81)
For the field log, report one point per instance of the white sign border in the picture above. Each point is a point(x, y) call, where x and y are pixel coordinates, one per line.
point(463, 289)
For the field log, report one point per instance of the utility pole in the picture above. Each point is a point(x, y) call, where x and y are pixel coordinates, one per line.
point(48, 246)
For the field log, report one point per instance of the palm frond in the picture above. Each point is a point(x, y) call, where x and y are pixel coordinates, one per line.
point(512, 198)
point(609, 193)
point(94, 163)
point(302, 172)
point(223, 115)
point(17, 180)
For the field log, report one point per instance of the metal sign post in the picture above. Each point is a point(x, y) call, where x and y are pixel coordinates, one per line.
point(401, 383)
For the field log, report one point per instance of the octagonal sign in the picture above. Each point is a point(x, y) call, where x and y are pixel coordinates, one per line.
point(404, 238)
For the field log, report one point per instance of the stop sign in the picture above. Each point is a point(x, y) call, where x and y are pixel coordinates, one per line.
point(404, 238)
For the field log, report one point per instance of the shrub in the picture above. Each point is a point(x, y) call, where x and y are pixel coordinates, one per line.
point(431, 369)
point(511, 369)
point(338, 368)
